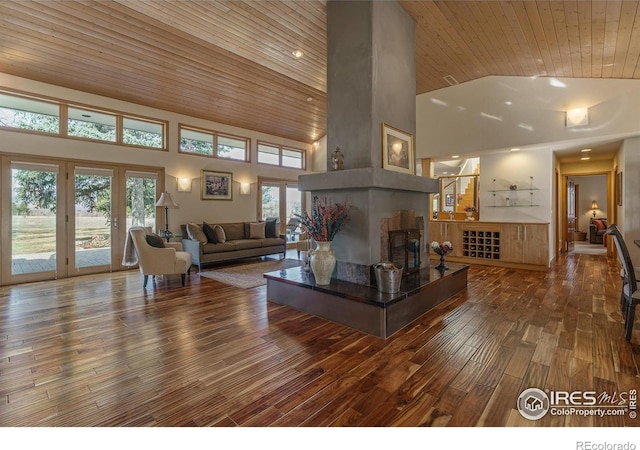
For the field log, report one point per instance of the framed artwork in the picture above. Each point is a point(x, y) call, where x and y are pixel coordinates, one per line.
point(216, 185)
point(397, 150)
point(619, 188)
point(448, 199)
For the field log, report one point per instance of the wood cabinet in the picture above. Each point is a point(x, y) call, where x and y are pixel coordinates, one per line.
point(522, 245)
point(525, 243)
point(441, 231)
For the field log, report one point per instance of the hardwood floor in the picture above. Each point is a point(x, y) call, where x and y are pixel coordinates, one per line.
point(99, 351)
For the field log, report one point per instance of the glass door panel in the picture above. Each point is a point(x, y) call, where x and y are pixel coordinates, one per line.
point(141, 190)
point(294, 206)
point(270, 201)
point(34, 202)
point(93, 218)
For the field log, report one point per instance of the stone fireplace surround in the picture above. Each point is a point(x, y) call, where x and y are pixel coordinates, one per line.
point(380, 201)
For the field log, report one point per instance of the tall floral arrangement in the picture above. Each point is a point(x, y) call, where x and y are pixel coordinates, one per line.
point(325, 219)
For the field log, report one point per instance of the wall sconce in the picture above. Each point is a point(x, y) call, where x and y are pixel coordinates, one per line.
point(184, 184)
point(245, 188)
point(594, 206)
point(577, 117)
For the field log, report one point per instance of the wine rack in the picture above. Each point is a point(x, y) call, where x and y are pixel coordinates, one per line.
point(481, 244)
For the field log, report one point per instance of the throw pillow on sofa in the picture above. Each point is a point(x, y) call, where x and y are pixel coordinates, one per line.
point(210, 233)
point(270, 228)
point(220, 234)
point(257, 230)
point(154, 240)
point(195, 233)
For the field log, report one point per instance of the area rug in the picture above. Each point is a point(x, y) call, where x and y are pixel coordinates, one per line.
point(247, 276)
point(589, 249)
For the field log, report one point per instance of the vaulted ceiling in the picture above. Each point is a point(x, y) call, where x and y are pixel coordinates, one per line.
point(231, 61)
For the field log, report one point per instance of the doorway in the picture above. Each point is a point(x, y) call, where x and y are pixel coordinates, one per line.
point(281, 199)
point(589, 199)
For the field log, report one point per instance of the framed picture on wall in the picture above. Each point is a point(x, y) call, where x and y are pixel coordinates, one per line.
point(448, 199)
point(397, 150)
point(619, 188)
point(216, 185)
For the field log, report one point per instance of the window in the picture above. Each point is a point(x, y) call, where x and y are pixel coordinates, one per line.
point(195, 142)
point(268, 154)
point(232, 148)
point(27, 114)
point(91, 125)
point(292, 158)
point(43, 115)
point(210, 143)
point(144, 133)
point(280, 156)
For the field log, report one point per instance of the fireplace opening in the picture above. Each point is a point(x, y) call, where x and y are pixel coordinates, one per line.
point(404, 249)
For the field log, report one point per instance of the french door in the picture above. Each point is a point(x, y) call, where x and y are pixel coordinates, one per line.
point(281, 199)
point(62, 219)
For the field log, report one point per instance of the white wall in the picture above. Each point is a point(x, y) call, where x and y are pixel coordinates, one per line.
point(192, 208)
point(516, 168)
point(503, 112)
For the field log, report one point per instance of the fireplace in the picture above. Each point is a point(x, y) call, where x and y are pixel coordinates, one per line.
point(404, 249)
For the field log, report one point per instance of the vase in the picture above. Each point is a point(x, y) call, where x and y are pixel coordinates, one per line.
point(442, 266)
point(323, 261)
point(469, 215)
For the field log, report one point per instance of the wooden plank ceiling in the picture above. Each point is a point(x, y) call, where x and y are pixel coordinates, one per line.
point(232, 62)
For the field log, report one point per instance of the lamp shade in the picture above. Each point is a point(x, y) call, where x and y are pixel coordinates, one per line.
point(594, 205)
point(166, 201)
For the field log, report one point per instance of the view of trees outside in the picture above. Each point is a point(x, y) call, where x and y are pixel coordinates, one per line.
point(206, 148)
point(29, 120)
point(270, 201)
point(34, 196)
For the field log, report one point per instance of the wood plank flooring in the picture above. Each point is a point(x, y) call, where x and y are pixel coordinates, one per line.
point(100, 351)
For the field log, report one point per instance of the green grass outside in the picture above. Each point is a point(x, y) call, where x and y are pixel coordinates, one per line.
point(36, 234)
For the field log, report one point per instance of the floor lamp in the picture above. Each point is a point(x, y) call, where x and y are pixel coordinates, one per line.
point(166, 201)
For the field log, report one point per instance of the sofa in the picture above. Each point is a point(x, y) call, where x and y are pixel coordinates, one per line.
point(211, 242)
point(597, 230)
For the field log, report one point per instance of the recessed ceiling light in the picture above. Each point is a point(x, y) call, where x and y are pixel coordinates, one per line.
point(297, 54)
point(585, 150)
point(585, 158)
point(515, 149)
point(508, 103)
point(309, 99)
point(445, 173)
point(456, 156)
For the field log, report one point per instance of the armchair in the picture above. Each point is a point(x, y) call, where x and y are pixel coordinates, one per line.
point(155, 260)
point(292, 226)
point(597, 230)
point(304, 244)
